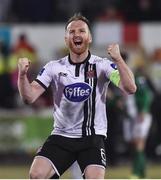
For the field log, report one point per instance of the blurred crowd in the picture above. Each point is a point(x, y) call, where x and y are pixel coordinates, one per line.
point(59, 11)
point(9, 98)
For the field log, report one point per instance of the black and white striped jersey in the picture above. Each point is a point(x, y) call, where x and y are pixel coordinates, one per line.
point(79, 94)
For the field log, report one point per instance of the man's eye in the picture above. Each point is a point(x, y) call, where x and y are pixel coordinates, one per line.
point(71, 32)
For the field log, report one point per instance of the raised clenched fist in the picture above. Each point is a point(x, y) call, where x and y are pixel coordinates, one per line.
point(23, 65)
point(114, 51)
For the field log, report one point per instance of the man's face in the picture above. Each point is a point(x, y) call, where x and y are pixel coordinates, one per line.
point(78, 37)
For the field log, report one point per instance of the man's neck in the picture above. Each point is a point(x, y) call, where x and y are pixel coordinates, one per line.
point(78, 58)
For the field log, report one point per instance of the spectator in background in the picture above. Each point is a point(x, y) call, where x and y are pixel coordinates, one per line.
point(7, 93)
point(139, 120)
point(142, 122)
point(23, 48)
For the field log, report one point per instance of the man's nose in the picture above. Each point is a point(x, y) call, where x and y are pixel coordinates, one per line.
point(77, 33)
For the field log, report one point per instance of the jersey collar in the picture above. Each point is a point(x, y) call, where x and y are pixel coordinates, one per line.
point(87, 58)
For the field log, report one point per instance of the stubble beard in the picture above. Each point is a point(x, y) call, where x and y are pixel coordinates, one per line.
point(78, 50)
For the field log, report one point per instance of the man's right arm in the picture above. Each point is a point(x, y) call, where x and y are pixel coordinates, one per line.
point(29, 92)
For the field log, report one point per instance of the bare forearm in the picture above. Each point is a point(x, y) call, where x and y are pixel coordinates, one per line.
point(29, 92)
point(127, 82)
point(25, 89)
point(126, 77)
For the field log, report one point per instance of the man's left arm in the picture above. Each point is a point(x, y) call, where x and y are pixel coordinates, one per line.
point(127, 81)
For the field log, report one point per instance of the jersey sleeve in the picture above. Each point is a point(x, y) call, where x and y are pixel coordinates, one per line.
point(44, 77)
point(111, 71)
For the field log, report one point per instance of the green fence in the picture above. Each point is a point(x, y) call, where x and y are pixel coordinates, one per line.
point(24, 133)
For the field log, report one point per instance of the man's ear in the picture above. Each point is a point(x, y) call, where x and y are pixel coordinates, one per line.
point(90, 38)
point(65, 38)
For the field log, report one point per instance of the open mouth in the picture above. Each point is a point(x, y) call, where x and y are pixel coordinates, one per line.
point(78, 43)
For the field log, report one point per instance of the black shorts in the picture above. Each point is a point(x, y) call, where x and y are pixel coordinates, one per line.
point(63, 151)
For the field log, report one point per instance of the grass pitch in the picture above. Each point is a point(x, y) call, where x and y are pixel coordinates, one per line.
point(119, 172)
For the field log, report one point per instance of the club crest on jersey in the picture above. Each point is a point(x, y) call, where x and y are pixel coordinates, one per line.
point(63, 74)
point(77, 92)
point(114, 66)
